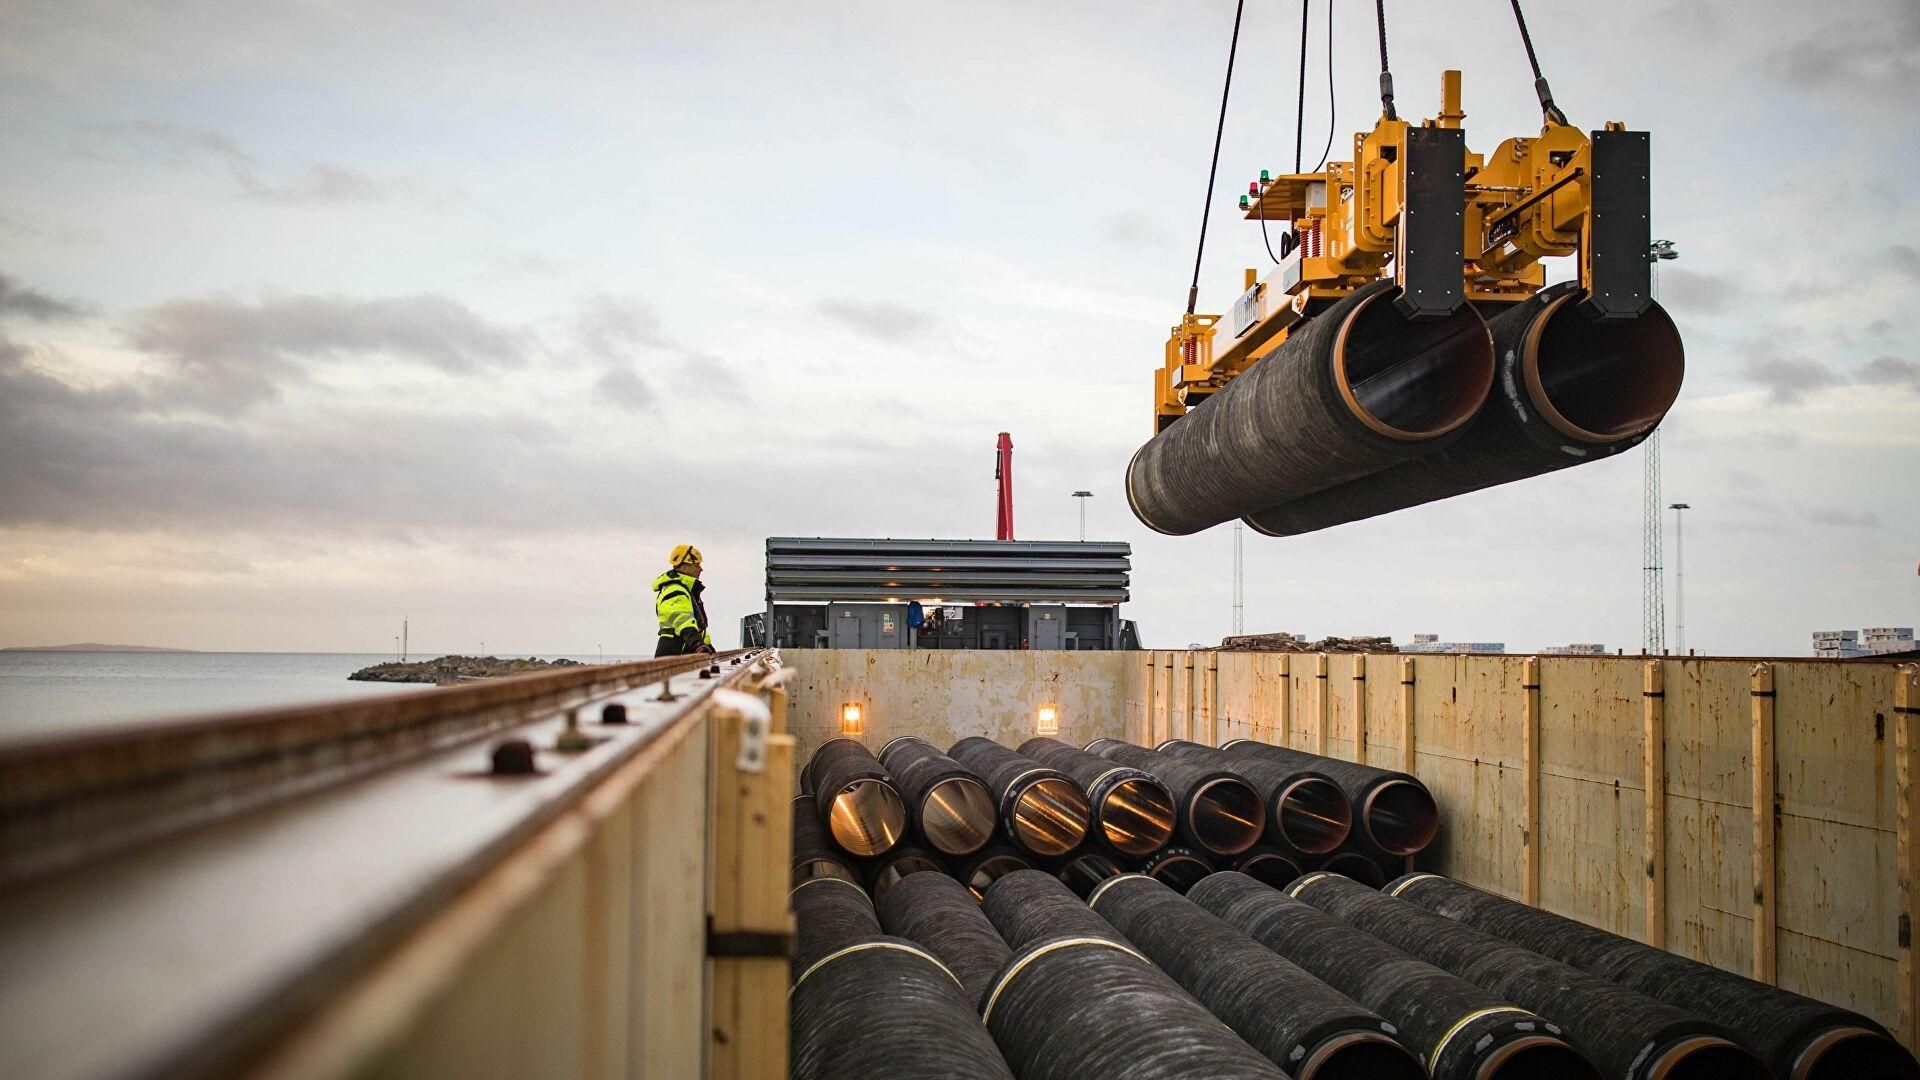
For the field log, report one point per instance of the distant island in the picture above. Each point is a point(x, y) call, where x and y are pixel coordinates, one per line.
point(445, 670)
point(91, 646)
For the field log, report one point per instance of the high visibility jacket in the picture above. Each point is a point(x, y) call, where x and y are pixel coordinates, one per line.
point(676, 600)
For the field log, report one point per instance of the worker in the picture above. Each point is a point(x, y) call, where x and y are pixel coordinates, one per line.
point(683, 615)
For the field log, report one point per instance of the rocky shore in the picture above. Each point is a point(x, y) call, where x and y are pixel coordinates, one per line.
point(453, 669)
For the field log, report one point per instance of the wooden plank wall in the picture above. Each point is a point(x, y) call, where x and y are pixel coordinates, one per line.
point(1566, 775)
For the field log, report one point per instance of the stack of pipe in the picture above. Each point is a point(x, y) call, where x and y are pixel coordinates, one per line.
point(1178, 868)
point(981, 869)
point(1799, 1038)
point(813, 854)
point(1394, 814)
point(886, 871)
point(1132, 810)
point(1217, 812)
point(1568, 389)
point(1307, 812)
point(951, 809)
point(1360, 388)
point(855, 797)
point(1301, 1024)
point(1077, 1002)
point(865, 1004)
point(1084, 872)
point(1625, 1032)
point(1268, 864)
point(1461, 1031)
point(1042, 811)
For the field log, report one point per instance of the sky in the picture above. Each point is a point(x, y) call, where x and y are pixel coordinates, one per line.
point(318, 316)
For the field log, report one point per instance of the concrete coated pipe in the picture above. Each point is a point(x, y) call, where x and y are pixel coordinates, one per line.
point(940, 915)
point(1393, 812)
point(1307, 813)
point(1568, 390)
point(1461, 1031)
point(813, 854)
point(1084, 872)
point(1303, 1025)
point(981, 869)
point(1217, 812)
point(883, 872)
point(1356, 390)
point(1628, 1034)
point(1357, 866)
point(1132, 811)
point(855, 797)
point(1268, 865)
point(1042, 811)
point(951, 809)
point(1798, 1037)
point(1178, 868)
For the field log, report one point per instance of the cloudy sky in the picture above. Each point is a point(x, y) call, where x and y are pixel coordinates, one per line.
point(314, 316)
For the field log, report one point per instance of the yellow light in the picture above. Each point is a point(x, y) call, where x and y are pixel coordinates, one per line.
point(1049, 721)
point(850, 722)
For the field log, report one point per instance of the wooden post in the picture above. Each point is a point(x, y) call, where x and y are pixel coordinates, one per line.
point(1326, 707)
point(1167, 729)
point(1360, 707)
point(1906, 741)
point(777, 706)
point(1530, 779)
point(1193, 701)
point(1764, 833)
point(1653, 697)
point(1286, 701)
point(749, 927)
point(1406, 716)
point(1213, 699)
point(1146, 706)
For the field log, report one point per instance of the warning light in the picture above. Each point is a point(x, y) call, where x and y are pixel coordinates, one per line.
point(850, 720)
point(1243, 202)
point(1049, 721)
point(1264, 176)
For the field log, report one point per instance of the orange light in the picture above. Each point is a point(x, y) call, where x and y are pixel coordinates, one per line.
point(1049, 721)
point(850, 720)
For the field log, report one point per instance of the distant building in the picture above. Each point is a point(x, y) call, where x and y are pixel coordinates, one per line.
point(1583, 648)
point(1431, 643)
point(1873, 641)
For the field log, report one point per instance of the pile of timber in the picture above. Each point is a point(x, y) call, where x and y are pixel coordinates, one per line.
point(1294, 643)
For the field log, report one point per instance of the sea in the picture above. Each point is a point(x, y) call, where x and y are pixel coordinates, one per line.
point(44, 693)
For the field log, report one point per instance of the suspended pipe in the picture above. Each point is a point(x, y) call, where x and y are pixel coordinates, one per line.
point(1217, 812)
point(1626, 1033)
point(1568, 389)
point(1267, 865)
point(1395, 813)
point(813, 854)
point(1306, 811)
point(1178, 868)
point(1042, 811)
point(1077, 1002)
point(1132, 811)
point(1461, 1031)
point(1359, 389)
point(856, 798)
point(951, 809)
point(1799, 1038)
point(865, 1004)
point(886, 871)
point(1084, 872)
point(1301, 1024)
point(981, 869)
point(940, 915)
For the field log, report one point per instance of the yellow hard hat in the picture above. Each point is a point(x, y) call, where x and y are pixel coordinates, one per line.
point(684, 553)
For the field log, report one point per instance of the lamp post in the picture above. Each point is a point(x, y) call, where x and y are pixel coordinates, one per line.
point(1083, 496)
point(1679, 582)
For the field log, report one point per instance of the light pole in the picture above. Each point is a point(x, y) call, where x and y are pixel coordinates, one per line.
point(1679, 582)
point(1083, 496)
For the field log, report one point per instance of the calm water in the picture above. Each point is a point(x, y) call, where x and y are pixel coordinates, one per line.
point(56, 691)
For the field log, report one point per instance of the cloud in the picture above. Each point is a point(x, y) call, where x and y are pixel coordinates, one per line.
point(882, 320)
point(313, 183)
point(1891, 371)
point(29, 304)
point(1844, 519)
point(1789, 377)
point(1689, 291)
point(609, 326)
point(623, 387)
point(1902, 257)
point(1871, 53)
point(226, 352)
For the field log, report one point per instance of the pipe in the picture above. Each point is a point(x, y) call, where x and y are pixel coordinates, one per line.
point(1395, 812)
point(1300, 1023)
point(1042, 811)
point(865, 1004)
point(1628, 1034)
point(856, 797)
point(1267, 865)
point(1178, 868)
point(940, 915)
point(886, 871)
point(1217, 812)
point(1306, 811)
point(1461, 1031)
point(1032, 905)
point(952, 810)
point(981, 869)
point(1356, 866)
point(1568, 390)
point(1084, 872)
point(1359, 388)
point(813, 854)
point(1799, 1038)
point(1132, 811)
